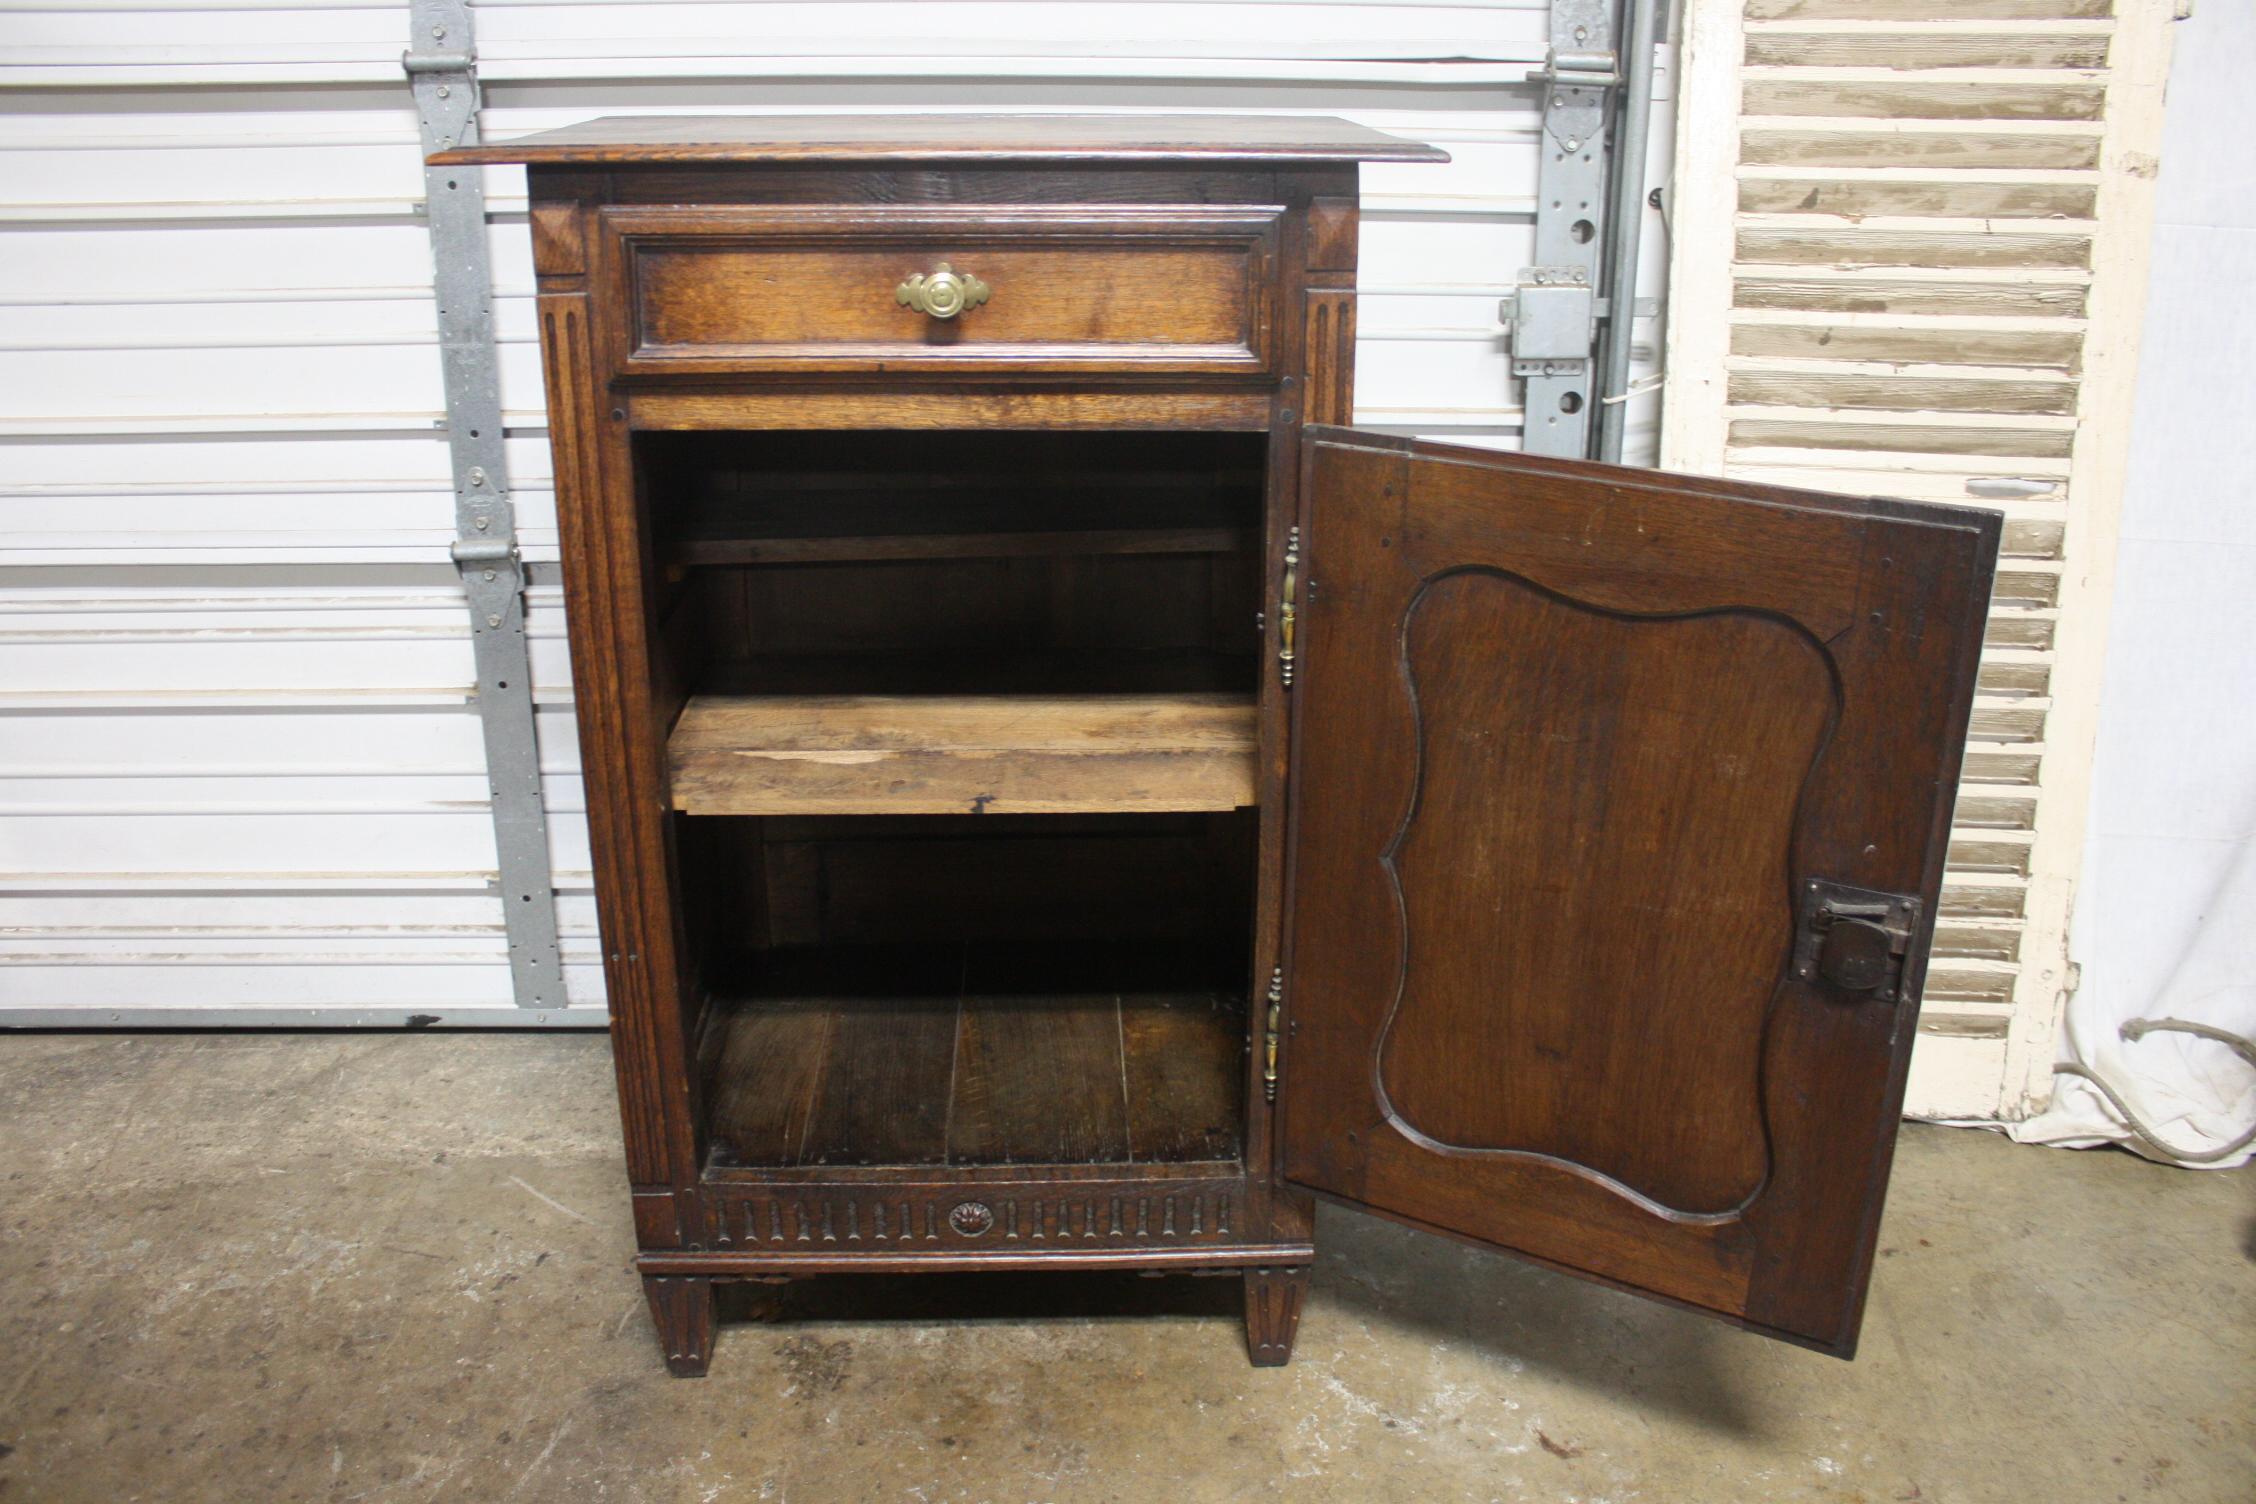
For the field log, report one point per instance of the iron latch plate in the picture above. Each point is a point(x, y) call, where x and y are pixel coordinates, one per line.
point(1854, 939)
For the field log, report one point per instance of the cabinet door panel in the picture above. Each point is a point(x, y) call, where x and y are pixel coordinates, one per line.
point(1572, 743)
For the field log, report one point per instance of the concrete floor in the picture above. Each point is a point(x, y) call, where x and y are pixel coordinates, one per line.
point(395, 1267)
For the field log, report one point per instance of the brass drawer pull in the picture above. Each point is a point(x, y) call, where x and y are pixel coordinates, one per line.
point(943, 294)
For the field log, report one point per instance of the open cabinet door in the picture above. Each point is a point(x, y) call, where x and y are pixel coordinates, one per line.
point(1618, 813)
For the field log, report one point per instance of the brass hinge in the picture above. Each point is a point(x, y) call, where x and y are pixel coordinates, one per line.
point(1269, 1038)
point(1288, 606)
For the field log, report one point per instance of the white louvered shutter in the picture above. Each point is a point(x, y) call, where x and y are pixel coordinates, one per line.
point(1910, 239)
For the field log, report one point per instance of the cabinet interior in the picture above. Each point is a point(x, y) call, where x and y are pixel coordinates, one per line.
point(963, 767)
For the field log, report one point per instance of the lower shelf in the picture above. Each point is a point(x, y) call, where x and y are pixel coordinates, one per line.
point(962, 754)
point(916, 1076)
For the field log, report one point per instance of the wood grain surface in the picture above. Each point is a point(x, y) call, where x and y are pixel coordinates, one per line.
point(962, 754)
point(1137, 288)
point(1127, 139)
point(1043, 1080)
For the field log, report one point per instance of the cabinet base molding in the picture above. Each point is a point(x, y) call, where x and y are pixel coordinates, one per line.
point(924, 1217)
point(691, 1263)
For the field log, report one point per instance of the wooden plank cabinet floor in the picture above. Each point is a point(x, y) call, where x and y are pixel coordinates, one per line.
point(1060, 800)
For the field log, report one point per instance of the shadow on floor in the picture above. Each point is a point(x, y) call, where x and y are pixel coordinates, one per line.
point(1614, 1347)
point(1516, 1316)
point(922, 1299)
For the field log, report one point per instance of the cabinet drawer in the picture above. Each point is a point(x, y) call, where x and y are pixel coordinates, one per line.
point(1174, 289)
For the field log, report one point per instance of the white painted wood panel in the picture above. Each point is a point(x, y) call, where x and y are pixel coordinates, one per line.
point(1909, 236)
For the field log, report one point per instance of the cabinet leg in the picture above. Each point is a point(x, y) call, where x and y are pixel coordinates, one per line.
point(683, 1311)
point(1273, 1298)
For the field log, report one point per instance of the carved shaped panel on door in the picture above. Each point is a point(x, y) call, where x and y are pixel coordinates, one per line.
point(1599, 829)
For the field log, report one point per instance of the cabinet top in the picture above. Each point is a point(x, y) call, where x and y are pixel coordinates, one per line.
point(623, 139)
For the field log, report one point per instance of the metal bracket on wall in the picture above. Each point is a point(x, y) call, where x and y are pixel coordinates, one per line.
point(1554, 320)
point(1552, 315)
point(441, 67)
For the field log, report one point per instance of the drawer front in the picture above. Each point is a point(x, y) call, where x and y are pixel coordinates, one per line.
point(1171, 290)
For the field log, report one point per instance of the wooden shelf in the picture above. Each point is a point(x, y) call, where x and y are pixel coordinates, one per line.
point(913, 1060)
point(1172, 672)
point(962, 754)
point(839, 526)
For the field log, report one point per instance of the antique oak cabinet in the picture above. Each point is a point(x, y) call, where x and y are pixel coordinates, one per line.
point(1062, 800)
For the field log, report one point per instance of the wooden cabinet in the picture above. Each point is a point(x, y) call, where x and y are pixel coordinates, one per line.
point(1060, 800)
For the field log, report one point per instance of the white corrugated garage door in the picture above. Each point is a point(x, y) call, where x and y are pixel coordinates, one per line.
point(239, 753)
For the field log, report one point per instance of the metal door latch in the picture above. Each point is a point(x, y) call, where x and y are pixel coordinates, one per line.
point(1553, 315)
point(1854, 939)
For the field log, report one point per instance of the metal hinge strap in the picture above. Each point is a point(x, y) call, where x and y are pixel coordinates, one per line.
point(441, 70)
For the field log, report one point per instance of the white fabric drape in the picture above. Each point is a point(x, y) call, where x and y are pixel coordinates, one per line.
point(2194, 1096)
point(2166, 911)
